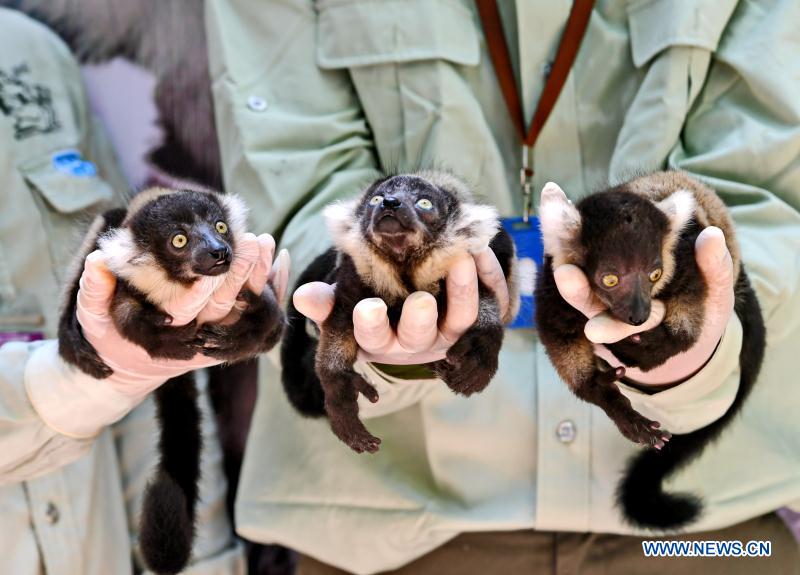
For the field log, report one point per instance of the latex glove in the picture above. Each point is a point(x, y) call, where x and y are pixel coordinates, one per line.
point(135, 372)
point(716, 265)
point(420, 337)
point(75, 404)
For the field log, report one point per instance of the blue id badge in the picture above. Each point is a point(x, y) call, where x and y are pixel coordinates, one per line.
point(527, 237)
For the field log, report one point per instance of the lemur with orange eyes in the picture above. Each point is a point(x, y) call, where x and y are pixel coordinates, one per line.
point(400, 236)
point(164, 242)
point(636, 242)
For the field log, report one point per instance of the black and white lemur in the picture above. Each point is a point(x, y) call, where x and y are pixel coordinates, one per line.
point(400, 236)
point(161, 244)
point(635, 242)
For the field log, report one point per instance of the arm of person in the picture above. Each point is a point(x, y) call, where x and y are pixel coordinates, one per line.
point(739, 136)
point(51, 411)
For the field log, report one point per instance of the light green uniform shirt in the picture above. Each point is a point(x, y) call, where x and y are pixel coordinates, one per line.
point(68, 506)
point(313, 97)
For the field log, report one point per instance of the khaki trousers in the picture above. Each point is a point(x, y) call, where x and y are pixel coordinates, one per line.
point(562, 553)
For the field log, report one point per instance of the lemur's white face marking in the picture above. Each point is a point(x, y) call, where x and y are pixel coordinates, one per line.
point(412, 225)
point(170, 239)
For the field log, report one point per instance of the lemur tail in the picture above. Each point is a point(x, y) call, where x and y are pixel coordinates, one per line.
point(298, 349)
point(166, 532)
point(640, 493)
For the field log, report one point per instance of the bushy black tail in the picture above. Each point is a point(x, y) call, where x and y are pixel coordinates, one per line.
point(167, 529)
point(641, 493)
point(298, 349)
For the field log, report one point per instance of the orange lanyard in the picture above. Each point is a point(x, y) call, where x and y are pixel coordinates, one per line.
point(498, 50)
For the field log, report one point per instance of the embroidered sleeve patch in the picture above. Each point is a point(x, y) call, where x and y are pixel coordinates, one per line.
point(28, 105)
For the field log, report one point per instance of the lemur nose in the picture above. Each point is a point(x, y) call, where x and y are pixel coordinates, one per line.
point(391, 203)
point(220, 253)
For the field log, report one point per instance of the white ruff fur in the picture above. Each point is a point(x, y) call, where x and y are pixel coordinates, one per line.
point(472, 231)
point(679, 208)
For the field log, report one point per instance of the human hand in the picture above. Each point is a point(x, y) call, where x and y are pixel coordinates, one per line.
point(716, 265)
point(135, 373)
point(420, 337)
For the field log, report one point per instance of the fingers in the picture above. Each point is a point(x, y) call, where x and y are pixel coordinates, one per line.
point(224, 297)
point(97, 285)
point(574, 287)
point(716, 265)
point(491, 274)
point(603, 328)
point(462, 298)
point(314, 300)
point(263, 266)
point(96, 290)
point(417, 329)
point(371, 326)
point(279, 277)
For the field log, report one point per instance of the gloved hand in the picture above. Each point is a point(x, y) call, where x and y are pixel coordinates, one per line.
point(79, 406)
point(716, 265)
point(135, 372)
point(419, 338)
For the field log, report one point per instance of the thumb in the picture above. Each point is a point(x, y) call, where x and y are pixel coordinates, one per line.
point(97, 285)
point(716, 265)
point(314, 300)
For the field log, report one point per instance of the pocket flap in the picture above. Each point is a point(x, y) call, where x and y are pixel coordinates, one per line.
point(658, 24)
point(67, 189)
point(353, 33)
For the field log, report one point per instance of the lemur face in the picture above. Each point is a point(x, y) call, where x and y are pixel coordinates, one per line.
point(402, 216)
point(623, 235)
point(187, 233)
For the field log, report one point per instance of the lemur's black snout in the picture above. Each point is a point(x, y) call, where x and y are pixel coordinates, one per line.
point(219, 253)
point(391, 203)
point(212, 256)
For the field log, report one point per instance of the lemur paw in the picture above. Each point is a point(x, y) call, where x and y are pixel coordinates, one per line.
point(357, 437)
point(644, 431)
point(469, 365)
point(367, 390)
point(96, 367)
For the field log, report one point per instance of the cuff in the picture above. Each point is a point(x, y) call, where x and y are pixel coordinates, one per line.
point(69, 401)
point(395, 393)
point(701, 399)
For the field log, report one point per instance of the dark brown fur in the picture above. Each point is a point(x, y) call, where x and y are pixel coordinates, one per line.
point(364, 269)
point(621, 225)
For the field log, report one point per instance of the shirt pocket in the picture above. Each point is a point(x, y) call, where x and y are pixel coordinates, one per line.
point(656, 25)
point(67, 202)
point(354, 33)
point(413, 64)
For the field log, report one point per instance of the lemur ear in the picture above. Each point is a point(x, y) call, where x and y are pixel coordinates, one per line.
point(560, 224)
point(679, 209)
point(476, 225)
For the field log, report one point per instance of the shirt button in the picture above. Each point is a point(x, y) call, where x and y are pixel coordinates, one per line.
point(547, 69)
point(52, 513)
point(256, 103)
point(566, 431)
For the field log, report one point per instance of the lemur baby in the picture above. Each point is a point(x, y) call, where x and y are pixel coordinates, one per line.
point(162, 244)
point(400, 236)
point(635, 242)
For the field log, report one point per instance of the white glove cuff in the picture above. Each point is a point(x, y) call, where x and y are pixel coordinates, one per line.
point(701, 399)
point(69, 401)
